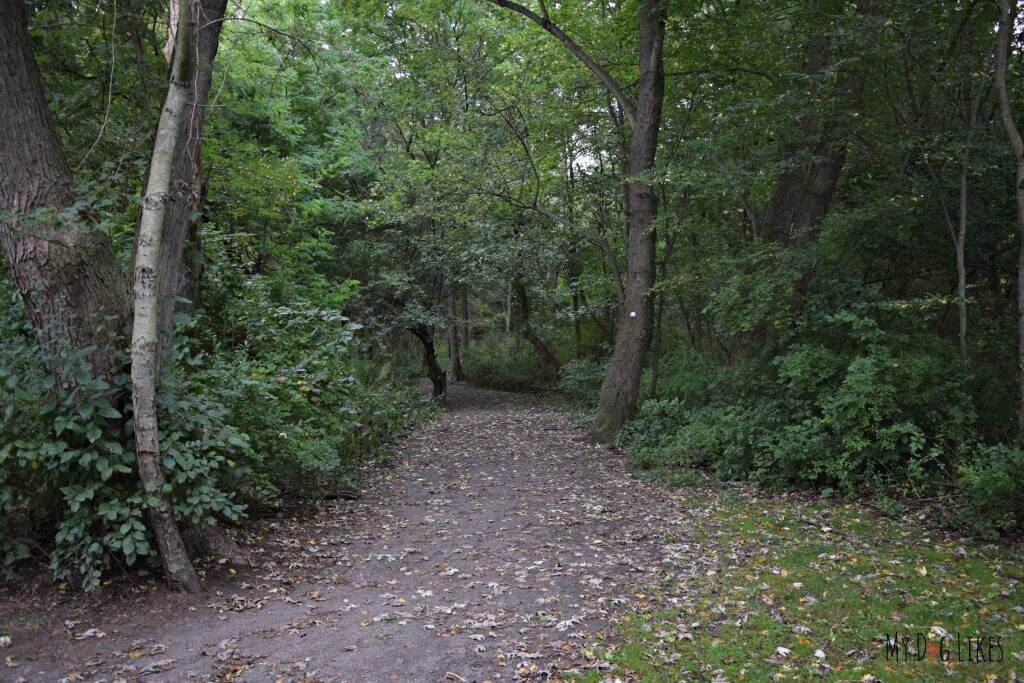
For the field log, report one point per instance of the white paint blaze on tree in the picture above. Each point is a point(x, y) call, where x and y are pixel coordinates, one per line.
point(620, 390)
point(146, 326)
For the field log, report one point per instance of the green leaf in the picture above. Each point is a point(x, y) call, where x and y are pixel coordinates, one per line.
point(93, 433)
point(109, 411)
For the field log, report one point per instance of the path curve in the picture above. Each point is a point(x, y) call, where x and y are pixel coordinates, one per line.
point(497, 547)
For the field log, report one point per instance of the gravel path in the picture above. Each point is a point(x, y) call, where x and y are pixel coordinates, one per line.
point(498, 545)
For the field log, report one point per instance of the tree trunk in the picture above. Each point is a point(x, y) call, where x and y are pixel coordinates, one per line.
point(177, 275)
point(621, 387)
point(434, 370)
point(960, 238)
point(464, 293)
point(507, 306)
point(1007, 20)
point(659, 316)
point(68, 276)
point(181, 249)
point(454, 343)
point(543, 351)
point(146, 327)
point(803, 194)
point(577, 327)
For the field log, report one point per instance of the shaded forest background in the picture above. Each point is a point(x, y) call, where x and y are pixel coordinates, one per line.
point(785, 236)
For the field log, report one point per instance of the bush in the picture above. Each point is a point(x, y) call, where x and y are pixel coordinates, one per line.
point(580, 380)
point(67, 462)
point(992, 489)
point(506, 364)
point(292, 389)
point(864, 412)
point(283, 414)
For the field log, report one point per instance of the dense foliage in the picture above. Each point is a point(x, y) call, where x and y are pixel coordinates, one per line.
point(271, 394)
point(382, 178)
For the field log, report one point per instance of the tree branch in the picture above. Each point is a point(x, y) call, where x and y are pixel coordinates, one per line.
point(602, 74)
point(1006, 21)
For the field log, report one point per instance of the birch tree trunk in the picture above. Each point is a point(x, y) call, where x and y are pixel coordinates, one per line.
point(960, 238)
point(68, 276)
point(146, 326)
point(176, 275)
point(1007, 20)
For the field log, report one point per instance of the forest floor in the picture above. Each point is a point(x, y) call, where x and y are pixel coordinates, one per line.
point(502, 545)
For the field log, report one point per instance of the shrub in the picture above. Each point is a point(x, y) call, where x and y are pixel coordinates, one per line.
point(580, 380)
point(282, 414)
point(863, 412)
point(991, 488)
point(67, 462)
point(292, 389)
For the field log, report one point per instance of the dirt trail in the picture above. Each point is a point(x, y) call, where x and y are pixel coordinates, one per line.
point(499, 544)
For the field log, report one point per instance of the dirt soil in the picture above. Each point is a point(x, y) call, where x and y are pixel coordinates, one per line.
point(498, 546)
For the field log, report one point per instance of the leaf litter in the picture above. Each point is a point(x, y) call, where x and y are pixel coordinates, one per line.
point(500, 544)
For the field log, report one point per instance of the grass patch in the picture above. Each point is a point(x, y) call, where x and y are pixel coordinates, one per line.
point(810, 591)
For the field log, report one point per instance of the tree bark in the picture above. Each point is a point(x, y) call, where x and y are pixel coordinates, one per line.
point(659, 315)
point(1007, 20)
point(543, 351)
point(506, 304)
point(68, 276)
point(454, 343)
point(577, 327)
point(464, 294)
point(178, 272)
point(434, 370)
point(621, 387)
point(146, 341)
point(960, 238)
point(803, 194)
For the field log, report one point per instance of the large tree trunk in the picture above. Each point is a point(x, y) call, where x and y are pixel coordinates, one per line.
point(435, 372)
point(68, 276)
point(178, 272)
point(146, 327)
point(1007, 20)
point(621, 387)
point(803, 193)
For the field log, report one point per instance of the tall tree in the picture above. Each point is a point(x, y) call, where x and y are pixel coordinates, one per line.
point(146, 327)
point(621, 387)
point(803, 192)
point(177, 275)
point(1007, 21)
point(68, 275)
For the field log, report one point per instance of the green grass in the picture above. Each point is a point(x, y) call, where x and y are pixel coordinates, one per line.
point(827, 583)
